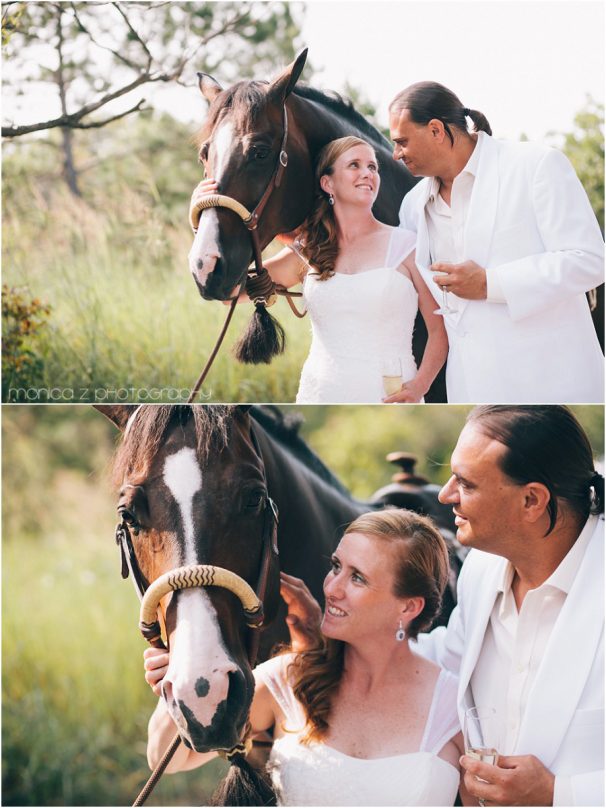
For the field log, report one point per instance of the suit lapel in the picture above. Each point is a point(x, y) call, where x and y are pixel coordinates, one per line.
point(568, 659)
point(478, 611)
point(482, 213)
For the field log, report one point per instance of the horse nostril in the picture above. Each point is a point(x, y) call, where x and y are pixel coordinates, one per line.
point(237, 686)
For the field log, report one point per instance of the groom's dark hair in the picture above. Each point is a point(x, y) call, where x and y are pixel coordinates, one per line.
point(545, 444)
point(426, 100)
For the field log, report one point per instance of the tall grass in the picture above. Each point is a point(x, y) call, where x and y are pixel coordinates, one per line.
point(75, 705)
point(126, 320)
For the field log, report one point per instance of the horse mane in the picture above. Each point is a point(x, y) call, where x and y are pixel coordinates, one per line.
point(343, 106)
point(247, 100)
point(148, 429)
point(284, 429)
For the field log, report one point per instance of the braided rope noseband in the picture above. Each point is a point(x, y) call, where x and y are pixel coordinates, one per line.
point(188, 577)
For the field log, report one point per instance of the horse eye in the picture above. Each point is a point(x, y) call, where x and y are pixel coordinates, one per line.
point(260, 152)
point(127, 516)
point(203, 153)
point(254, 499)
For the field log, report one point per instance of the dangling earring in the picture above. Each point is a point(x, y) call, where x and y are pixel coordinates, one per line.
point(400, 633)
point(331, 199)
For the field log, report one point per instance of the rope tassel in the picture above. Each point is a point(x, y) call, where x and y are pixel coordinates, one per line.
point(264, 337)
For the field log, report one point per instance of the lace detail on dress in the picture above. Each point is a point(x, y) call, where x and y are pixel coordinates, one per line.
point(357, 321)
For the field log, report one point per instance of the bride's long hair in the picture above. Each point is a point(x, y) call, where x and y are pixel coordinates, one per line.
point(421, 571)
point(318, 235)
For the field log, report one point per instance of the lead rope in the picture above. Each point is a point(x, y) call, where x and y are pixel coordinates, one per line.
point(158, 771)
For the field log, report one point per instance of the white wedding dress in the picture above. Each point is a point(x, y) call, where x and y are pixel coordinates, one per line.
point(357, 322)
point(317, 774)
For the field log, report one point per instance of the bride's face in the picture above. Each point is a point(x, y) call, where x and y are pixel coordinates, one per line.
point(355, 178)
point(360, 604)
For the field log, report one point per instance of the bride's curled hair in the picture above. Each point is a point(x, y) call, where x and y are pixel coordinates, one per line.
point(421, 570)
point(318, 235)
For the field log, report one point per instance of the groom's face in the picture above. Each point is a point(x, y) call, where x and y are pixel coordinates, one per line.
point(417, 146)
point(487, 504)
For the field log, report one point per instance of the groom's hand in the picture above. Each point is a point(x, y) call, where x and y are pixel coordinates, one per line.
point(466, 280)
point(516, 780)
point(304, 613)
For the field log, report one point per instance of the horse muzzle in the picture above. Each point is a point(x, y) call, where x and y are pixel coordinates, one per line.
point(206, 691)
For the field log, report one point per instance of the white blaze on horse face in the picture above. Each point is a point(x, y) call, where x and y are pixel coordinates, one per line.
point(183, 479)
point(205, 249)
point(199, 663)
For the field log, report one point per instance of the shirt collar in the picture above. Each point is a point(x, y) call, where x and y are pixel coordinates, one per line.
point(563, 576)
point(471, 167)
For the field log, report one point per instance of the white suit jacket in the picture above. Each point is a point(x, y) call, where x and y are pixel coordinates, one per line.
point(564, 720)
point(530, 222)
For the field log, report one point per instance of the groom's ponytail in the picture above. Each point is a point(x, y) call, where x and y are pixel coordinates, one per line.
point(480, 124)
point(426, 100)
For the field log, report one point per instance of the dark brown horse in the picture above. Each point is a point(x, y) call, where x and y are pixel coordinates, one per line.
point(240, 147)
point(197, 486)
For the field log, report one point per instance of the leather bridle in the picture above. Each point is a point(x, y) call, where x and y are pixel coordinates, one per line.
point(201, 575)
point(256, 281)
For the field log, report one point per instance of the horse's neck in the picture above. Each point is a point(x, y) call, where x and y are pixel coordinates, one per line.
point(318, 123)
point(312, 512)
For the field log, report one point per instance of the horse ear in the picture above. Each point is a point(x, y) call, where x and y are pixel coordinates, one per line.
point(282, 87)
point(209, 87)
point(118, 414)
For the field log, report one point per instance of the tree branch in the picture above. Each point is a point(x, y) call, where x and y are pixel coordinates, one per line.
point(66, 121)
point(86, 31)
point(150, 58)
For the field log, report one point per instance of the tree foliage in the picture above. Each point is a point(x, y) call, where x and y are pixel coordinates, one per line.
point(96, 57)
point(584, 147)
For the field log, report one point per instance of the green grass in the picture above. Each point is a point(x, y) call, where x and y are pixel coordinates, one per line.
point(75, 704)
point(126, 320)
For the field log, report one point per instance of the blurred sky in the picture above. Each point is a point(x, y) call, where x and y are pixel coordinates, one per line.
point(528, 65)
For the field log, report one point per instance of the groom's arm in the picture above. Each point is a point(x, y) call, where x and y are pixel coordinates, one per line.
point(572, 259)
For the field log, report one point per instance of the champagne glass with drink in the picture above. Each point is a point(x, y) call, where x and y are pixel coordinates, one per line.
point(482, 734)
point(445, 308)
point(392, 375)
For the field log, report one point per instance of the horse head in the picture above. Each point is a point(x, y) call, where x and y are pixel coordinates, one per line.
point(241, 146)
point(192, 490)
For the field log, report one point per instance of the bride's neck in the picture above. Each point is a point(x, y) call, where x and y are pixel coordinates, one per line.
point(354, 224)
point(368, 670)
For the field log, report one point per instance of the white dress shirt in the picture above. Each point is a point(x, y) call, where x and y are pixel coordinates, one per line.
point(446, 223)
point(514, 646)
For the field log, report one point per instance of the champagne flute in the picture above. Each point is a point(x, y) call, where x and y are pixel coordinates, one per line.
point(482, 734)
point(445, 308)
point(391, 369)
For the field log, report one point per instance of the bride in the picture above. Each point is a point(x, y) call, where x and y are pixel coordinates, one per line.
point(361, 288)
point(360, 718)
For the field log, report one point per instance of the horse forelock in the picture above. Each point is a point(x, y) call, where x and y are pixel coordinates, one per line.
point(245, 103)
point(148, 431)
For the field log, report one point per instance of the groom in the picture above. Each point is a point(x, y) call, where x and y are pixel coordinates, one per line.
point(507, 231)
point(527, 635)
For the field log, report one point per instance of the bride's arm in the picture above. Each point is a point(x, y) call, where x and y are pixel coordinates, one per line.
point(436, 348)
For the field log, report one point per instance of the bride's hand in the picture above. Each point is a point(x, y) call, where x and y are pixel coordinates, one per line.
point(204, 188)
point(410, 393)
